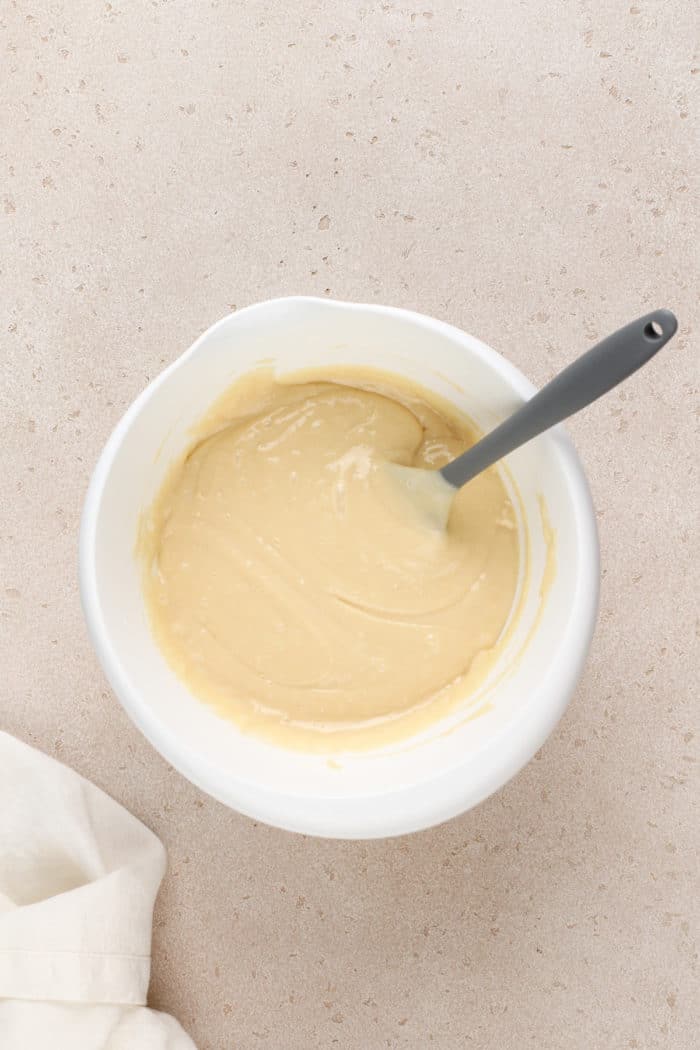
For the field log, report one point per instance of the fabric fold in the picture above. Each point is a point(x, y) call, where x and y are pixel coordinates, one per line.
point(78, 881)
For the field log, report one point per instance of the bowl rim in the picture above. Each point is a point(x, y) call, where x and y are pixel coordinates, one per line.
point(407, 808)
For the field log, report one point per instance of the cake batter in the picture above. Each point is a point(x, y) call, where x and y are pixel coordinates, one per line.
point(292, 586)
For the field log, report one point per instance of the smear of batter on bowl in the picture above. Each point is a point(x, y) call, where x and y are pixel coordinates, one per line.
point(290, 589)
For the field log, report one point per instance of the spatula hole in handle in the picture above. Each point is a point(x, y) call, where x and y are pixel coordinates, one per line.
point(653, 330)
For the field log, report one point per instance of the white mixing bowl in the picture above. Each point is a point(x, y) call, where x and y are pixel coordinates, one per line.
point(457, 762)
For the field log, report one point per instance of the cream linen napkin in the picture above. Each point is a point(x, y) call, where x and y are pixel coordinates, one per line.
point(78, 879)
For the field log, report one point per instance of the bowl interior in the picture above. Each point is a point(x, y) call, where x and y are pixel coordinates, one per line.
point(458, 761)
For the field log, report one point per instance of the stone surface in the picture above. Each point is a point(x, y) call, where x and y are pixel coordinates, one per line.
point(525, 171)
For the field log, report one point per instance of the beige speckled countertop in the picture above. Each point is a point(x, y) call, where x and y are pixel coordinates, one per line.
point(525, 172)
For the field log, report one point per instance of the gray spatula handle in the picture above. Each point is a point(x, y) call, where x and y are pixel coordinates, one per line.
point(588, 378)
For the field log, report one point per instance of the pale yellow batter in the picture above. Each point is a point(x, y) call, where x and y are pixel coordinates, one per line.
point(291, 586)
